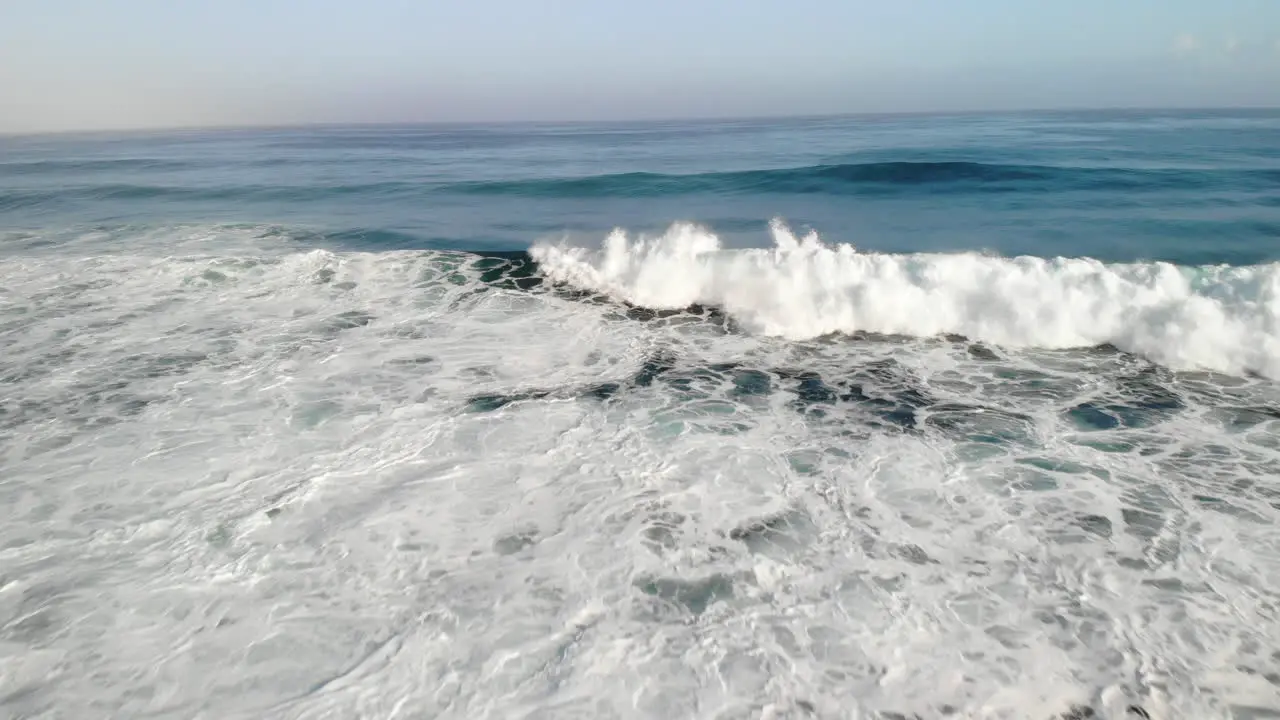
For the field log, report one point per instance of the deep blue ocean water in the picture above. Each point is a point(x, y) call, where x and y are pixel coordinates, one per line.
point(879, 417)
point(1186, 187)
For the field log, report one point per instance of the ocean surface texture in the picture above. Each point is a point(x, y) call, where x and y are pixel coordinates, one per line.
point(871, 417)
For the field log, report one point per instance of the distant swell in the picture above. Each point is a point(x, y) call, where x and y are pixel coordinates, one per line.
point(872, 178)
point(121, 192)
point(1218, 318)
point(877, 177)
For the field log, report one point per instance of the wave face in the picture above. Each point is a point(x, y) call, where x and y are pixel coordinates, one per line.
point(1217, 318)
point(881, 178)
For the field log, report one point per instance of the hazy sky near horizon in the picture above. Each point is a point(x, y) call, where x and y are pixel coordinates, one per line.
point(93, 64)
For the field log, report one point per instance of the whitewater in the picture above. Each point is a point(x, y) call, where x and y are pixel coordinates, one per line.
point(892, 418)
point(770, 483)
point(1215, 318)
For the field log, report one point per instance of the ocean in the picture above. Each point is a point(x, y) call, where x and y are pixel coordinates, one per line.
point(894, 417)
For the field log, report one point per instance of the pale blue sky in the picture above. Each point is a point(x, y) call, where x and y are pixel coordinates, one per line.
point(73, 64)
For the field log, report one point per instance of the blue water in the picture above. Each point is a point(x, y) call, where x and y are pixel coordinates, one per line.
point(881, 417)
point(1185, 187)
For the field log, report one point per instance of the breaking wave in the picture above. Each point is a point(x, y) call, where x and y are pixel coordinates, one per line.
point(1219, 318)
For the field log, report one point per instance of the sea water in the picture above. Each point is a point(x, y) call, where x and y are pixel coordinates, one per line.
point(865, 417)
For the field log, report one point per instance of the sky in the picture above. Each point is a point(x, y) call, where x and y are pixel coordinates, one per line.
point(99, 64)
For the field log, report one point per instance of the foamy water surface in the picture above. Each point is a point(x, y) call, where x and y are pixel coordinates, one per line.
point(341, 484)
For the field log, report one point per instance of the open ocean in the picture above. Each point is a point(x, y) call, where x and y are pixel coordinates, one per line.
point(870, 417)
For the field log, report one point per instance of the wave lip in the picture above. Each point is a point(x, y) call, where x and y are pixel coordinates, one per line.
point(874, 178)
point(1219, 318)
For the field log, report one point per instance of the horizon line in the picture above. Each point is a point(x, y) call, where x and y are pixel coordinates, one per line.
point(322, 124)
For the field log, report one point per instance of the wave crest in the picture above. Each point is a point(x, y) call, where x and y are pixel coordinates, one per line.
point(1219, 318)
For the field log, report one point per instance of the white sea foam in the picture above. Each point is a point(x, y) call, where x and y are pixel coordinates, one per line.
point(1215, 318)
point(254, 484)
